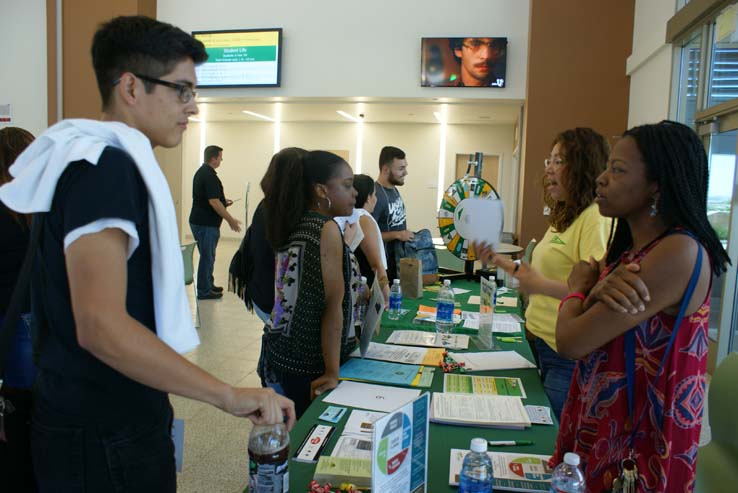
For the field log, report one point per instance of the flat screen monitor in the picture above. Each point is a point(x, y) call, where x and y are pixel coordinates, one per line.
point(463, 62)
point(241, 58)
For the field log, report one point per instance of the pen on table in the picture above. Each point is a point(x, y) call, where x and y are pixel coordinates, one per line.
point(505, 443)
point(510, 339)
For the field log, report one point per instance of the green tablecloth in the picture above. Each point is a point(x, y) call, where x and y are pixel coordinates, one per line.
point(442, 438)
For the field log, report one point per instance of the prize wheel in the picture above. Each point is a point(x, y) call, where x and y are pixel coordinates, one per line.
point(453, 228)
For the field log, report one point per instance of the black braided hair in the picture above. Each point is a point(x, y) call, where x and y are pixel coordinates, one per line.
point(675, 158)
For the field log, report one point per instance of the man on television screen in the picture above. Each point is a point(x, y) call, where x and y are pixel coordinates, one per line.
point(478, 59)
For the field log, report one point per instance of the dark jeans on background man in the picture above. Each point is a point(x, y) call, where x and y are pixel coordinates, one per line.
point(118, 457)
point(556, 373)
point(207, 240)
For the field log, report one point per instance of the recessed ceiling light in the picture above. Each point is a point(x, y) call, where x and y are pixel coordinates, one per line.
point(348, 116)
point(258, 115)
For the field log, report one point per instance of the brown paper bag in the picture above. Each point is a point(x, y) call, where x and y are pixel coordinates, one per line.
point(411, 277)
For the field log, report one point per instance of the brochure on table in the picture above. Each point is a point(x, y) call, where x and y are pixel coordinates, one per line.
point(512, 472)
point(491, 360)
point(486, 313)
point(370, 396)
point(369, 370)
point(422, 338)
point(409, 355)
point(473, 384)
point(400, 449)
point(484, 410)
point(374, 311)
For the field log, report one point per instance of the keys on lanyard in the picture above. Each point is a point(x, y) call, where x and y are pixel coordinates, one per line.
point(628, 479)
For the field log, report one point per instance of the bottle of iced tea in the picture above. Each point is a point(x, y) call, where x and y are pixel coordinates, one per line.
point(269, 453)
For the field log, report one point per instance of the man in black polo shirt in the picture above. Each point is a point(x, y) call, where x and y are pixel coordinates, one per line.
point(104, 306)
point(208, 211)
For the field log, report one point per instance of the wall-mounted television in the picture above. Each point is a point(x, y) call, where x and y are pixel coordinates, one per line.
point(463, 62)
point(241, 58)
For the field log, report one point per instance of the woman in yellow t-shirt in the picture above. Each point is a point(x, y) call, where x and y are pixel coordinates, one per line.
point(576, 232)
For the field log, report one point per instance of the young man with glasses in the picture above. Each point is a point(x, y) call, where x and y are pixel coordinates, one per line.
point(477, 61)
point(107, 285)
point(207, 213)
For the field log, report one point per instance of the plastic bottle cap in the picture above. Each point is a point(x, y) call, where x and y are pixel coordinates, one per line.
point(446, 282)
point(571, 458)
point(396, 281)
point(478, 445)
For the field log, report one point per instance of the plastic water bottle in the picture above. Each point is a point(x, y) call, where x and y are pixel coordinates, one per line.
point(476, 470)
point(269, 454)
point(395, 300)
point(567, 477)
point(445, 308)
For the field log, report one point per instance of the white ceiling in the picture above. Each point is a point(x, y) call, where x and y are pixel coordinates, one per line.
point(458, 111)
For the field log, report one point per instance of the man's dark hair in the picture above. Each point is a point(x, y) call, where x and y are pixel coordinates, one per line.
point(211, 152)
point(675, 159)
point(139, 45)
point(388, 154)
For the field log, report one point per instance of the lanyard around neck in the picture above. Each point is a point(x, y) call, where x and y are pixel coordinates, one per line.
point(630, 350)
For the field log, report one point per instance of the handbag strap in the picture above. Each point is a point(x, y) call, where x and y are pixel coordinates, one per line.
point(20, 295)
point(630, 349)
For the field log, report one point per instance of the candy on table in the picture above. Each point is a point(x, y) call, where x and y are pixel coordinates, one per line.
point(448, 364)
point(315, 487)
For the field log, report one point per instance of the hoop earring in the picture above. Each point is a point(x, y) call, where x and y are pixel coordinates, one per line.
point(654, 208)
point(329, 202)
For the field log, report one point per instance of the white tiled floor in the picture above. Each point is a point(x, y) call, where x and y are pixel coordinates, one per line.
point(215, 456)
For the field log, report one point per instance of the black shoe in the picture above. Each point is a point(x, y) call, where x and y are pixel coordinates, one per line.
point(217, 289)
point(212, 295)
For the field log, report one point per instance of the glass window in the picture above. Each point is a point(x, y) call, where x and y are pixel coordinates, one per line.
point(689, 71)
point(681, 4)
point(723, 77)
point(722, 154)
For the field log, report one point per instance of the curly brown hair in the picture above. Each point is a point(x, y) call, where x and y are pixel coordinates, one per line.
point(585, 153)
point(13, 141)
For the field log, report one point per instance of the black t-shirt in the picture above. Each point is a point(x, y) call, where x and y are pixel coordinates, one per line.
point(72, 382)
point(205, 186)
point(14, 233)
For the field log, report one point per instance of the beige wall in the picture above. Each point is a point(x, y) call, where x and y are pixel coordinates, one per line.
point(248, 148)
point(23, 72)
point(650, 64)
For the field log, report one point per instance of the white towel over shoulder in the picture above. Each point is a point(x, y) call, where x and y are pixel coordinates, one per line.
point(37, 171)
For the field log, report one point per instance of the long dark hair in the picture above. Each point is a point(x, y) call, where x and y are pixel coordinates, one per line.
point(585, 153)
point(364, 186)
point(288, 192)
point(13, 141)
point(676, 160)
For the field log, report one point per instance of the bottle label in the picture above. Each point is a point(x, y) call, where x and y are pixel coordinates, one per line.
point(445, 312)
point(395, 302)
point(269, 478)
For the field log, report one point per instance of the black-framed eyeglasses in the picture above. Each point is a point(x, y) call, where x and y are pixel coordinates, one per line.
point(185, 92)
point(478, 44)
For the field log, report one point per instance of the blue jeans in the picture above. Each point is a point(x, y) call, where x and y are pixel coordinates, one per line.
point(20, 370)
point(116, 458)
point(207, 240)
point(556, 373)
